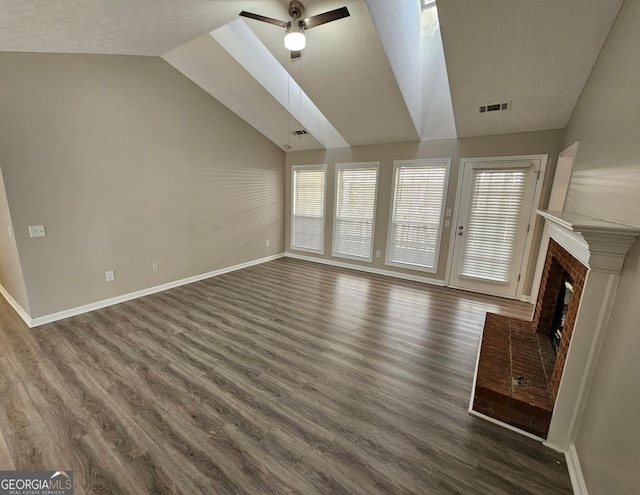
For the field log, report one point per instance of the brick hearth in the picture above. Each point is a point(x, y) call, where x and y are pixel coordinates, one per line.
point(518, 374)
point(512, 381)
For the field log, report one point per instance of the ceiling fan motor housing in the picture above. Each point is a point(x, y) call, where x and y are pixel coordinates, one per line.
point(296, 9)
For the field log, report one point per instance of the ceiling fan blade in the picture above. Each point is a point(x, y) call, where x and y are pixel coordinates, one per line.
point(332, 15)
point(262, 18)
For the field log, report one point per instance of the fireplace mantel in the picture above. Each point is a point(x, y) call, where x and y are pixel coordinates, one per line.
point(601, 246)
point(598, 244)
point(592, 252)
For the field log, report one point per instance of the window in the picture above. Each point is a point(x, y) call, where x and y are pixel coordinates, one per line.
point(307, 218)
point(355, 210)
point(415, 226)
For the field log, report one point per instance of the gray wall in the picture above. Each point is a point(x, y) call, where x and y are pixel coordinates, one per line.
point(10, 269)
point(127, 162)
point(606, 184)
point(529, 143)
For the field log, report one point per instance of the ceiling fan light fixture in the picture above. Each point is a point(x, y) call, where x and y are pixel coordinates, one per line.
point(295, 39)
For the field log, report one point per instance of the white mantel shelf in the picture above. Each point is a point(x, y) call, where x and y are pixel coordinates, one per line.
point(598, 244)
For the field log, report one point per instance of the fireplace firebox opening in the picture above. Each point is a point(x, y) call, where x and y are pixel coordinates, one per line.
point(560, 314)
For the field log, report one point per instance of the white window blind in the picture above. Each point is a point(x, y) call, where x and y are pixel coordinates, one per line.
point(308, 208)
point(416, 215)
point(492, 225)
point(355, 210)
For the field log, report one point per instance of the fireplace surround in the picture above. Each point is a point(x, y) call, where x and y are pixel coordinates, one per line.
point(559, 266)
point(520, 381)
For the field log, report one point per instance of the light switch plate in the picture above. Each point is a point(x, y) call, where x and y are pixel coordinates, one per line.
point(110, 276)
point(37, 231)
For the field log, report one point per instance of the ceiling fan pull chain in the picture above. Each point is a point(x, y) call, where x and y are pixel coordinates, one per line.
point(300, 98)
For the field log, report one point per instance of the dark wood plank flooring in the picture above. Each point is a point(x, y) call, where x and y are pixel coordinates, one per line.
point(284, 378)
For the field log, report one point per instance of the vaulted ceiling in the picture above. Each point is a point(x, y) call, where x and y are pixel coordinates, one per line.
point(387, 73)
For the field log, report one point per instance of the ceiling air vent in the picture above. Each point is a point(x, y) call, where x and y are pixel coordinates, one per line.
point(300, 132)
point(495, 107)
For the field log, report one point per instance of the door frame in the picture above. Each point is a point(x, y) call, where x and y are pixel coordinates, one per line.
point(561, 182)
point(543, 158)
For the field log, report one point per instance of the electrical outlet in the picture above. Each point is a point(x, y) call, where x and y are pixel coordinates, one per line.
point(37, 231)
point(110, 275)
point(268, 243)
point(378, 253)
point(448, 212)
point(154, 266)
point(447, 224)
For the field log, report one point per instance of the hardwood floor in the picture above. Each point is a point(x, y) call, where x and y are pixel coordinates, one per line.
point(284, 378)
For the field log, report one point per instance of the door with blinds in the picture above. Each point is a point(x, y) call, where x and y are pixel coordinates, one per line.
point(492, 225)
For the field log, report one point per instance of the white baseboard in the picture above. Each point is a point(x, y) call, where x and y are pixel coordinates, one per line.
point(376, 271)
point(575, 472)
point(14, 304)
point(61, 315)
point(505, 425)
point(475, 372)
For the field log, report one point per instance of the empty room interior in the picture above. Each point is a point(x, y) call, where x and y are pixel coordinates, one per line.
point(320, 247)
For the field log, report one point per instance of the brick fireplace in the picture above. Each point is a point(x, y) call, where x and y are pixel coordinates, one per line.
point(519, 370)
point(559, 263)
point(532, 375)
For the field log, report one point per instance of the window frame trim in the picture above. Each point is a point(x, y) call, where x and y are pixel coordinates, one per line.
point(352, 166)
point(322, 167)
point(419, 163)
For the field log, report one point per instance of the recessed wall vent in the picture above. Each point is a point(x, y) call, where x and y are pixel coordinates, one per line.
point(300, 132)
point(495, 107)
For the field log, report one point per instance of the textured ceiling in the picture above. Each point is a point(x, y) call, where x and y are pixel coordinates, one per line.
point(345, 71)
point(536, 54)
point(135, 27)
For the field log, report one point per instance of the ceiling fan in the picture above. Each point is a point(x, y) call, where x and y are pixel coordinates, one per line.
point(295, 40)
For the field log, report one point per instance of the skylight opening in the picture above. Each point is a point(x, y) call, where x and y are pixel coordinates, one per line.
point(247, 49)
point(429, 21)
point(427, 4)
